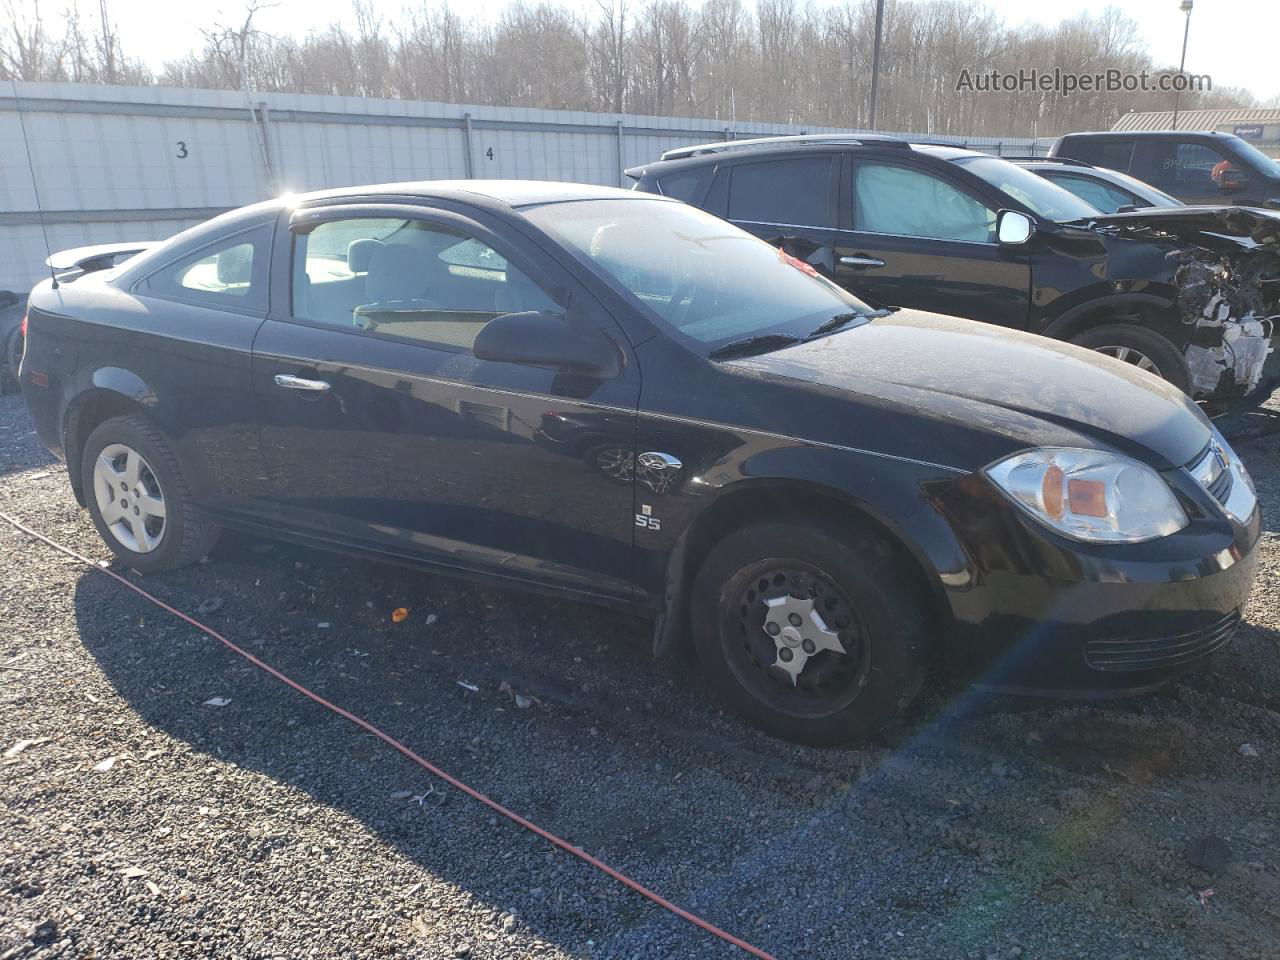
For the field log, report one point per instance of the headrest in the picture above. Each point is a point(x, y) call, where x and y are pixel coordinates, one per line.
point(235, 265)
point(360, 253)
point(396, 272)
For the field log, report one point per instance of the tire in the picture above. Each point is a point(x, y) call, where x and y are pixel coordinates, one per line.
point(183, 534)
point(12, 355)
point(1131, 343)
point(858, 582)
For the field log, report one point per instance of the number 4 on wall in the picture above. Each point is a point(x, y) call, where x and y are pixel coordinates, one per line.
point(489, 153)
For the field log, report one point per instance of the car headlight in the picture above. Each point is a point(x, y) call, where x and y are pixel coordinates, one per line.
point(1090, 495)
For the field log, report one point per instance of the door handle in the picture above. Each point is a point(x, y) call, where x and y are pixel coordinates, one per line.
point(862, 262)
point(290, 382)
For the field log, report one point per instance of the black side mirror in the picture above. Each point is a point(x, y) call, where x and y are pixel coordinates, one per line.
point(538, 338)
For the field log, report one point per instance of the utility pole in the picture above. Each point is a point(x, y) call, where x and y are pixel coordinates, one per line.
point(875, 59)
point(1185, 7)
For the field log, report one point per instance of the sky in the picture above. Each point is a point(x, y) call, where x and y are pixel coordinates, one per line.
point(1234, 41)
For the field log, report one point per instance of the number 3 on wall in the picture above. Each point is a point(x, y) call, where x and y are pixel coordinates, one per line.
point(182, 149)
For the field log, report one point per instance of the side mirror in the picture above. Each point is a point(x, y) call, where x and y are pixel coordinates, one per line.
point(537, 338)
point(1232, 181)
point(1013, 228)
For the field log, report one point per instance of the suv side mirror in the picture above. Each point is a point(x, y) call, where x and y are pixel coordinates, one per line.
point(539, 338)
point(1232, 181)
point(1013, 228)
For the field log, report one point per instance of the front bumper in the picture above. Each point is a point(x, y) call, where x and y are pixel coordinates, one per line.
point(1049, 616)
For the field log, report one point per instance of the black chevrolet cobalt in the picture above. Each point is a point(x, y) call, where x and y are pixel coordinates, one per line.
point(619, 398)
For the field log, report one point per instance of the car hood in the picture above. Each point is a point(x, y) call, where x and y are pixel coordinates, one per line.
point(993, 384)
point(1243, 227)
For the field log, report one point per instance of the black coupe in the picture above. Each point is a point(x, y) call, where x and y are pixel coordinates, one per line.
point(621, 398)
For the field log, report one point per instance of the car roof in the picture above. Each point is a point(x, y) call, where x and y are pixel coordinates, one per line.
point(765, 147)
point(1147, 134)
point(513, 193)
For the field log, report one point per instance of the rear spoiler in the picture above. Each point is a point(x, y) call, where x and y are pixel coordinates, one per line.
point(635, 173)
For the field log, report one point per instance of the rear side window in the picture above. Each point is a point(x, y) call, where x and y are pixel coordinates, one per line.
point(785, 192)
point(1113, 154)
point(688, 185)
point(1105, 197)
point(230, 273)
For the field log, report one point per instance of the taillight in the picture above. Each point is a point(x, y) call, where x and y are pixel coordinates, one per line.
point(22, 327)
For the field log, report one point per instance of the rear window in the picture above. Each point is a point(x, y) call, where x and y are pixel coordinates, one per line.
point(790, 192)
point(687, 185)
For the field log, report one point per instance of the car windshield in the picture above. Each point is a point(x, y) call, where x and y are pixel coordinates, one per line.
point(1034, 192)
point(1252, 155)
point(705, 278)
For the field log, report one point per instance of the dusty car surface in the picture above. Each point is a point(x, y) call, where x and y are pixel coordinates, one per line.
point(958, 232)
point(621, 398)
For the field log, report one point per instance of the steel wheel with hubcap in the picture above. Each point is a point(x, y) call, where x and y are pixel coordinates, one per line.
point(815, 633)
point(129, 498)
point(139, 498)
point(793, 638)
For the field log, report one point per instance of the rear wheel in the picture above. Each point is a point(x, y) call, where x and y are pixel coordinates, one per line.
point(813, 636)
point(1139, 347)
point(139, 499)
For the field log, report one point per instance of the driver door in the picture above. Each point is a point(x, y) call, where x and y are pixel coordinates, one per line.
point(919, 240)
point(382, 430)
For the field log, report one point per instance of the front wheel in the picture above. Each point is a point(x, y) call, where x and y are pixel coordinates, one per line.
point(813, 636)
point(1139, 347)
point(139, 499)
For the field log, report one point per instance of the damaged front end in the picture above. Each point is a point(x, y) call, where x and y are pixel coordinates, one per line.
point(1228, 280)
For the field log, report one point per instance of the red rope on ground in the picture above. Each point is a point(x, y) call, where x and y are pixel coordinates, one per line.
point(391, 741)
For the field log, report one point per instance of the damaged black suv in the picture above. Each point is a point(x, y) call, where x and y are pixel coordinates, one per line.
point(1191, 294)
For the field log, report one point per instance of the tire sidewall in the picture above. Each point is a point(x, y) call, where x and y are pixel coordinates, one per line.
point(123, 430)
point(871, 581)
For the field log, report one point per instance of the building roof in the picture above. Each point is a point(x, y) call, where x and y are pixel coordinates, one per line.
point(1196, 119)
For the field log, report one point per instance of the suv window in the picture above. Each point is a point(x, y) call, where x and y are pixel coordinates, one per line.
point(1186, 166)
point(406, 278)
point(791, 192)
point(688, 185)
point(1105, 197)
point(227, 273)
point(1114, 154)
point(906, 202)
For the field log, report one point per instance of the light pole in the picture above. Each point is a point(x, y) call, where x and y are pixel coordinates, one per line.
point(875, 59)
point(1185, 7)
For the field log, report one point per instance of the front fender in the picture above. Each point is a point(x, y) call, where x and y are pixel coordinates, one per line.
point(748, 477)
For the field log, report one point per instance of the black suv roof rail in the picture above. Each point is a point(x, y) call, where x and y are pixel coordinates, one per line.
point(759, 143)
point(1065, 161)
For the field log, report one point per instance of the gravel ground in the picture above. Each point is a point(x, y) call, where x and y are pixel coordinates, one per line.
point(142, 820)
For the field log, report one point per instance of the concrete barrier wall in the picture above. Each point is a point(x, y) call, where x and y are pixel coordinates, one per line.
point(123, 163)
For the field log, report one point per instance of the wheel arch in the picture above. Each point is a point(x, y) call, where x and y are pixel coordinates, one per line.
point(747, 501)
point(1147, 309)
point(113, 392)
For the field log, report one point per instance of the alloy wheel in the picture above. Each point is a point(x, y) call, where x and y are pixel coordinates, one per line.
point(1132, 356)
point(129, 498)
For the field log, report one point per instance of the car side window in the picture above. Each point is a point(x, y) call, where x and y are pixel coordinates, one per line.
point(792, 192)
point(230, 273)
point(906, 202)
point(1105, 197)
point(1188, 166)
point(1112, 154)
point(406, 278)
